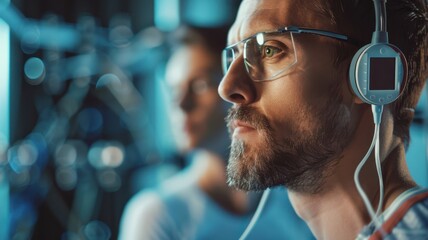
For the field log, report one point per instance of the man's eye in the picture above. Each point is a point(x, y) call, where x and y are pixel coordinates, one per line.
point(270, 51)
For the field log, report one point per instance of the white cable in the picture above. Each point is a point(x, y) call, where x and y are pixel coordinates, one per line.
point(377, 116)
point(357, 181)
point(379, 174)
point(256, 215)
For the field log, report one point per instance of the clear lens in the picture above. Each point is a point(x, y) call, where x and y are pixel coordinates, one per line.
point(267, 56)
point(228, 56)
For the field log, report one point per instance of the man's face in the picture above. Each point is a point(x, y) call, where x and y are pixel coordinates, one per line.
point(291, 130)
point(196, 110)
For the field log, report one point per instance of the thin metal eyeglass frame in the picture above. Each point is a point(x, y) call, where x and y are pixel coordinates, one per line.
point(291, 29)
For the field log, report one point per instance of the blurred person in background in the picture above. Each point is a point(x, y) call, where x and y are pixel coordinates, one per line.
point(197, 203)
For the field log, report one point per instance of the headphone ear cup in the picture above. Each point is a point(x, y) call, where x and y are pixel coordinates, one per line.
point(378, 73)
point(353, 71)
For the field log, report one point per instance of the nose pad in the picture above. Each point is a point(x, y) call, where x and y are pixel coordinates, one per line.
point(236, 85)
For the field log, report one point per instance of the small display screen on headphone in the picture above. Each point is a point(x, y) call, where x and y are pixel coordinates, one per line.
point(382, 73)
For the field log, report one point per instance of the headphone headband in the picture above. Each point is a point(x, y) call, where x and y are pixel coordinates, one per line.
point(380, 35)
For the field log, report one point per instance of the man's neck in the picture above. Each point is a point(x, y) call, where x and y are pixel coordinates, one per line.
point(337, 211)
point(332, 215)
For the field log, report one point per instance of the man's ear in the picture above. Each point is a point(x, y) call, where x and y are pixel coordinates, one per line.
point(344, 72)
point(356, 99)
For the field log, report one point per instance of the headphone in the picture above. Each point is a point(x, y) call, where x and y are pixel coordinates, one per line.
point(379, 69)
point(377, 75)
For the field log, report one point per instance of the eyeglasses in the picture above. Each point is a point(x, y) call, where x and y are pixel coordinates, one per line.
point(268, 55)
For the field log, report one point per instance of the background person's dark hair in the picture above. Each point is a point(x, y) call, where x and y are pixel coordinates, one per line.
point(214, 38)
point(408, 29)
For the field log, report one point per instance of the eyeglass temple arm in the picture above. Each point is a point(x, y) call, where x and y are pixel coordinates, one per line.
point(322, 33)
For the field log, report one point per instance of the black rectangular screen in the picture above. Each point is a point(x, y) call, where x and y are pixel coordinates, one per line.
point(382, 73)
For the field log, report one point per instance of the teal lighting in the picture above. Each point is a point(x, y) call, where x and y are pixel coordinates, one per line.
point(208, 13)
point(416, 155)
point(4, 120)
point(167, 14)
point(4, 78)
point(34, 70)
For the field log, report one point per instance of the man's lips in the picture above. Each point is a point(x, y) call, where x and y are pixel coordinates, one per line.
point(240, 127)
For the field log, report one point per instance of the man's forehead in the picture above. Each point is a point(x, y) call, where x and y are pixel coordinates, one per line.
point(264, 15)
point(260, 15)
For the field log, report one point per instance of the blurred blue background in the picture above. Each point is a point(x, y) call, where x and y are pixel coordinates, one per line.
point(82, 124)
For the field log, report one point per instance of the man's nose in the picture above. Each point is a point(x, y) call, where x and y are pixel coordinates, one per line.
point(236, 86)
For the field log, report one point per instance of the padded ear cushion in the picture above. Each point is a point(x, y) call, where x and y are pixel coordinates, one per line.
point(353, 71)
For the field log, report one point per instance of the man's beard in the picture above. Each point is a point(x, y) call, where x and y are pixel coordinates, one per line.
point(300, 163)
